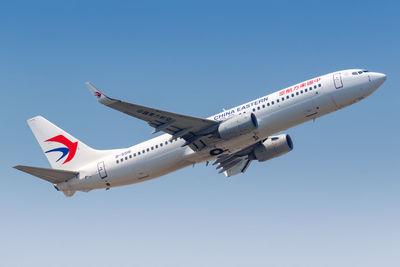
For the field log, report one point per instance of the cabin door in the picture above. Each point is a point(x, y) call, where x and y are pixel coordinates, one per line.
point(101, 169)
point(337, 79)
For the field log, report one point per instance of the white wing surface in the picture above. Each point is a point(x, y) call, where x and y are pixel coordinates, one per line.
point(196, 131)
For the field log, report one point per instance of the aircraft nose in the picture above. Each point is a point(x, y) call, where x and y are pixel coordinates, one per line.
point(379, 78)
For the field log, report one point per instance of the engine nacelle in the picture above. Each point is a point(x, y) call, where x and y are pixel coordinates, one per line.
point(238, 125)
point(273, 147)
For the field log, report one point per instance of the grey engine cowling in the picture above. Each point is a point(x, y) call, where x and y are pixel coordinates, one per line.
point(237, 125)
point(273, 147)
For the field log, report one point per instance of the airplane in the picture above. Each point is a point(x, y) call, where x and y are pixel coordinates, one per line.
point(232, 139)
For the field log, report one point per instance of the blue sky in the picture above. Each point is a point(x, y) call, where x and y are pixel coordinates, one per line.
point(333, 201)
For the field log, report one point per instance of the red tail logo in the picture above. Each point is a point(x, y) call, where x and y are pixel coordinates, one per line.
point(70, 148)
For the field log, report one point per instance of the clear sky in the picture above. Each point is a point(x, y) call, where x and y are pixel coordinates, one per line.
point(333, 201)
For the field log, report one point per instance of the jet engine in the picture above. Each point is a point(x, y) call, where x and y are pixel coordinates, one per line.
point(237, 125)
point(273, 147)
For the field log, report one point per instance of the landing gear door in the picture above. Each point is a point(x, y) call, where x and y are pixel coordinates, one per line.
point(102, 170)
point(337, 79)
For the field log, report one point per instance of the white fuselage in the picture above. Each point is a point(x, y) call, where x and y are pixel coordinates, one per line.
point(275, 112)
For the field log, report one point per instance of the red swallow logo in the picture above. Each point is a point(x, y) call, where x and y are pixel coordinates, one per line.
point(70, 148)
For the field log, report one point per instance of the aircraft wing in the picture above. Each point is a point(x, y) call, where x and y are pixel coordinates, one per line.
point(196, 131)
point(235, 163)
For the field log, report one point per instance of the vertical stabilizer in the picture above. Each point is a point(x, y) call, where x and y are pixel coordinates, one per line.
point(63, 151)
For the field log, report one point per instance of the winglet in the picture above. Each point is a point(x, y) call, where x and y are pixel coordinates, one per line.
point(99, 95)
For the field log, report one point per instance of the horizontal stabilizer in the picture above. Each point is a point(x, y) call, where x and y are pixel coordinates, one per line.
point(51, 175)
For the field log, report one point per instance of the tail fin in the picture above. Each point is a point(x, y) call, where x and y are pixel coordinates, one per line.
point(63, 151)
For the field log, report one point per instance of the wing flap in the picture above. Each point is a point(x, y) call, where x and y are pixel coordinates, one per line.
point(51, 175)
point(239, 167)
point(235, 163)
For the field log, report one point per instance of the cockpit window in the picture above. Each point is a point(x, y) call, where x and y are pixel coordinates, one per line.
point(359, 72)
